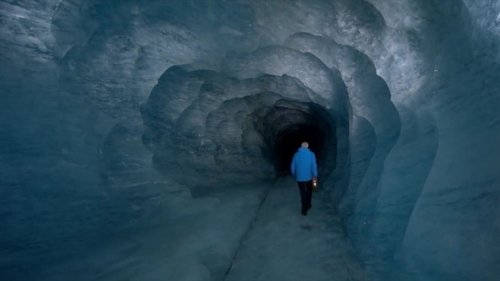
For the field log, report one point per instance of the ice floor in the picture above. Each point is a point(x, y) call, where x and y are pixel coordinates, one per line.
point(281, 244)
point(248, 233)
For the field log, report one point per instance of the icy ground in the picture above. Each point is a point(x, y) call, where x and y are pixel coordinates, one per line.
point(281, 244)
point(248, 233)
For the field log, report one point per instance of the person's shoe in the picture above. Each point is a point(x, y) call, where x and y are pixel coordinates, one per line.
point(304, 212)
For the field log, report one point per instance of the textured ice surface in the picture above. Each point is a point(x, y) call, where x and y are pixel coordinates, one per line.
point(137, 139)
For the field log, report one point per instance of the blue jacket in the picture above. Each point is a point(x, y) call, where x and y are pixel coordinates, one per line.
point(304, 166)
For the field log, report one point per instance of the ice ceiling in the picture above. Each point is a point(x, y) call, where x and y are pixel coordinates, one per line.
point(110, 105)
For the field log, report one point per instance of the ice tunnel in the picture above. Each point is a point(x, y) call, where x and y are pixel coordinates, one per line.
point(151, 140)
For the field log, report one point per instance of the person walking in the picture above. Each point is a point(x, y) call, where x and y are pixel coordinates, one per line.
point(304, 170)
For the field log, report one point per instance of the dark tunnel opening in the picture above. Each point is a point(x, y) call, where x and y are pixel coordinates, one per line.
point(288, 141)
point(289, 124)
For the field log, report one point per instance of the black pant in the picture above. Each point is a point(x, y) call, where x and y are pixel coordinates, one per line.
point(305, 188)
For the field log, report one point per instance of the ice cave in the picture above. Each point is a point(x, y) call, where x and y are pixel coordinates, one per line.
point(151, 140)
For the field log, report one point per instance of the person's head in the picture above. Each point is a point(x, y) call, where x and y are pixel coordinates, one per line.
point(305, 144)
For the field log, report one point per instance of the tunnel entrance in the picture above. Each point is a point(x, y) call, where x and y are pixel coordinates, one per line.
point(289, 140)
point(288, 123)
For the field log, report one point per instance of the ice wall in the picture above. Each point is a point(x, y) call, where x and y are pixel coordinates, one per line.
point(107, 105)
